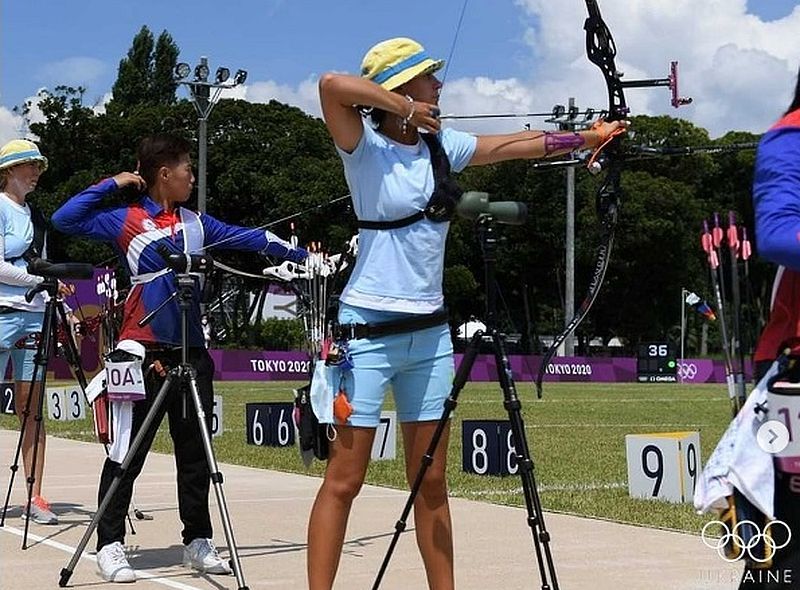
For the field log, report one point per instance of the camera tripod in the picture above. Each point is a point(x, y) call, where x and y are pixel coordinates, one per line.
point(48, 340)
point(183, 376)
point(511, 402)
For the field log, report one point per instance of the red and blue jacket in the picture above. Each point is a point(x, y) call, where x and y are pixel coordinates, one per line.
point(136, 232)
point(776, 199)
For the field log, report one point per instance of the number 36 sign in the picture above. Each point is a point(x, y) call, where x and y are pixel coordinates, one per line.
point(664, 465)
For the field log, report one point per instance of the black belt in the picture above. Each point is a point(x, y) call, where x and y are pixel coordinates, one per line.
point(394, 224)
point(410, 324)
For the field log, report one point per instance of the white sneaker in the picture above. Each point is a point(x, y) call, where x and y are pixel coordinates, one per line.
point(41, 512)
point(201, 555)
point(113, 565)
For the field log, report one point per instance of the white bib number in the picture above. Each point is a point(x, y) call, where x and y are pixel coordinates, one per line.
point(786, 410)
point(125, 381)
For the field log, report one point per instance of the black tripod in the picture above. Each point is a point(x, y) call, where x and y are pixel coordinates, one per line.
point(53, 312)
point(511, 402)
point(183, 376)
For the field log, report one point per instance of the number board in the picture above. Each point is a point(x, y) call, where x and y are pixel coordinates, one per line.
point(385, 444)
point(65, 403)
point(487, 447)
point(270, 424)
point(8, 397)
point(216, 417)
point(663, 466)
point(75, 409)
point(656, 362)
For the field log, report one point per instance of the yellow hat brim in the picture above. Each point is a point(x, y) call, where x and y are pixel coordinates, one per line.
point(427, 66)
point(41, 159)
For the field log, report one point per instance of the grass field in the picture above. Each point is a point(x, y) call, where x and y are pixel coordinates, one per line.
point(576, 434)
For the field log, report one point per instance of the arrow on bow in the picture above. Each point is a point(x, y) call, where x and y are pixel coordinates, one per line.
point(601, 51)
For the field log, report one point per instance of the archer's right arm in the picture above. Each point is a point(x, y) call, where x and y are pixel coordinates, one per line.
point(776, 196)
point(340, 93)
point(82, 216)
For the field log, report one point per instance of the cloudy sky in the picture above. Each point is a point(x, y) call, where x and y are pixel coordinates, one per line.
point(738, 58)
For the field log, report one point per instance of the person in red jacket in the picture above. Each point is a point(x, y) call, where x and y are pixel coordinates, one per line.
point(776, 200)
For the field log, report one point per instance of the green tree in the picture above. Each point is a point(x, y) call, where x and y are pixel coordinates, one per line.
point(145, 75)
point(163, 85)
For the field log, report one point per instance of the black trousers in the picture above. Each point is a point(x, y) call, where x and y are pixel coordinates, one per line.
point(190, 458)
point(785, 570)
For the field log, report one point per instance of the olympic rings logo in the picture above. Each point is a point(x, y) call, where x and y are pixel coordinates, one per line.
point(742, 546)
point(687, 370)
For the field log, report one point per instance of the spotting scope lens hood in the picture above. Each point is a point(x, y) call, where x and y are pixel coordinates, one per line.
point(474, 204)
point(67, 271)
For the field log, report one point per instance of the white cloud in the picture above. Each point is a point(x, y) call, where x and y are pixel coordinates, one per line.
point(11, 125)
point(73, 71)
point(303, 96)
point(99, 107)
point(739, 69)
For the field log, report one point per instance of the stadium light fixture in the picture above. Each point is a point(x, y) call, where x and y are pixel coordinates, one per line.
point(205, 94)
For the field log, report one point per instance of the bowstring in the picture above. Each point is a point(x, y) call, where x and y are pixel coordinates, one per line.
point(277, 221)
point(455, 40)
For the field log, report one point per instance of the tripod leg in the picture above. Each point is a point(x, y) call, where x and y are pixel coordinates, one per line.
point(71, 354)
point(216, 478)
point(147, 424)
point(541, 538)
point(39, 376)
point(26, 413)
point(449, 405)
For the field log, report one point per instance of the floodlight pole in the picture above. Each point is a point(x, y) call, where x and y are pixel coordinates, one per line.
point(568, 120)
point(201, 95)
point(204, 102)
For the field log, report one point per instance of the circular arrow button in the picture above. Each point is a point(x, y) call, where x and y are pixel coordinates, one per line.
point(772, 436)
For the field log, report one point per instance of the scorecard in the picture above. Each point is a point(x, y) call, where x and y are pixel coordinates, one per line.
point(656, 362)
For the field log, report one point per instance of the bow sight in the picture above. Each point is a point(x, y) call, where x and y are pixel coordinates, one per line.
point(671, 80)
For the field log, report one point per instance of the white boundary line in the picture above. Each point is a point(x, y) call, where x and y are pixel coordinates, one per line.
point(140, 574)
point(546, 488)
point(571, 400)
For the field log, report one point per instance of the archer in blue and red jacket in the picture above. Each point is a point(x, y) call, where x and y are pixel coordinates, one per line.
point(138, 232)
point(776, 200)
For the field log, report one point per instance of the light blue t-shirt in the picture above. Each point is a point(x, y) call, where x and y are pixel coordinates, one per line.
point(398, 269)
point(17, 230)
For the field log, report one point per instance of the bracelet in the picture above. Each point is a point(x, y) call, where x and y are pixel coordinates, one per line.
point(407, 119)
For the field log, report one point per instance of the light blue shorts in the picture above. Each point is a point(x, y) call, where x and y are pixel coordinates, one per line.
point(418, 366)
point(14, 327)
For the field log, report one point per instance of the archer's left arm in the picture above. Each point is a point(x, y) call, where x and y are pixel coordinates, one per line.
point(234, 237)
point(534, 145)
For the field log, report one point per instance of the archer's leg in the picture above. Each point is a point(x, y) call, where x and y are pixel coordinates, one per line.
point(419, 391)
point(22, 360)
point(347, 466)
point(21, 392)
point(431, 509)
